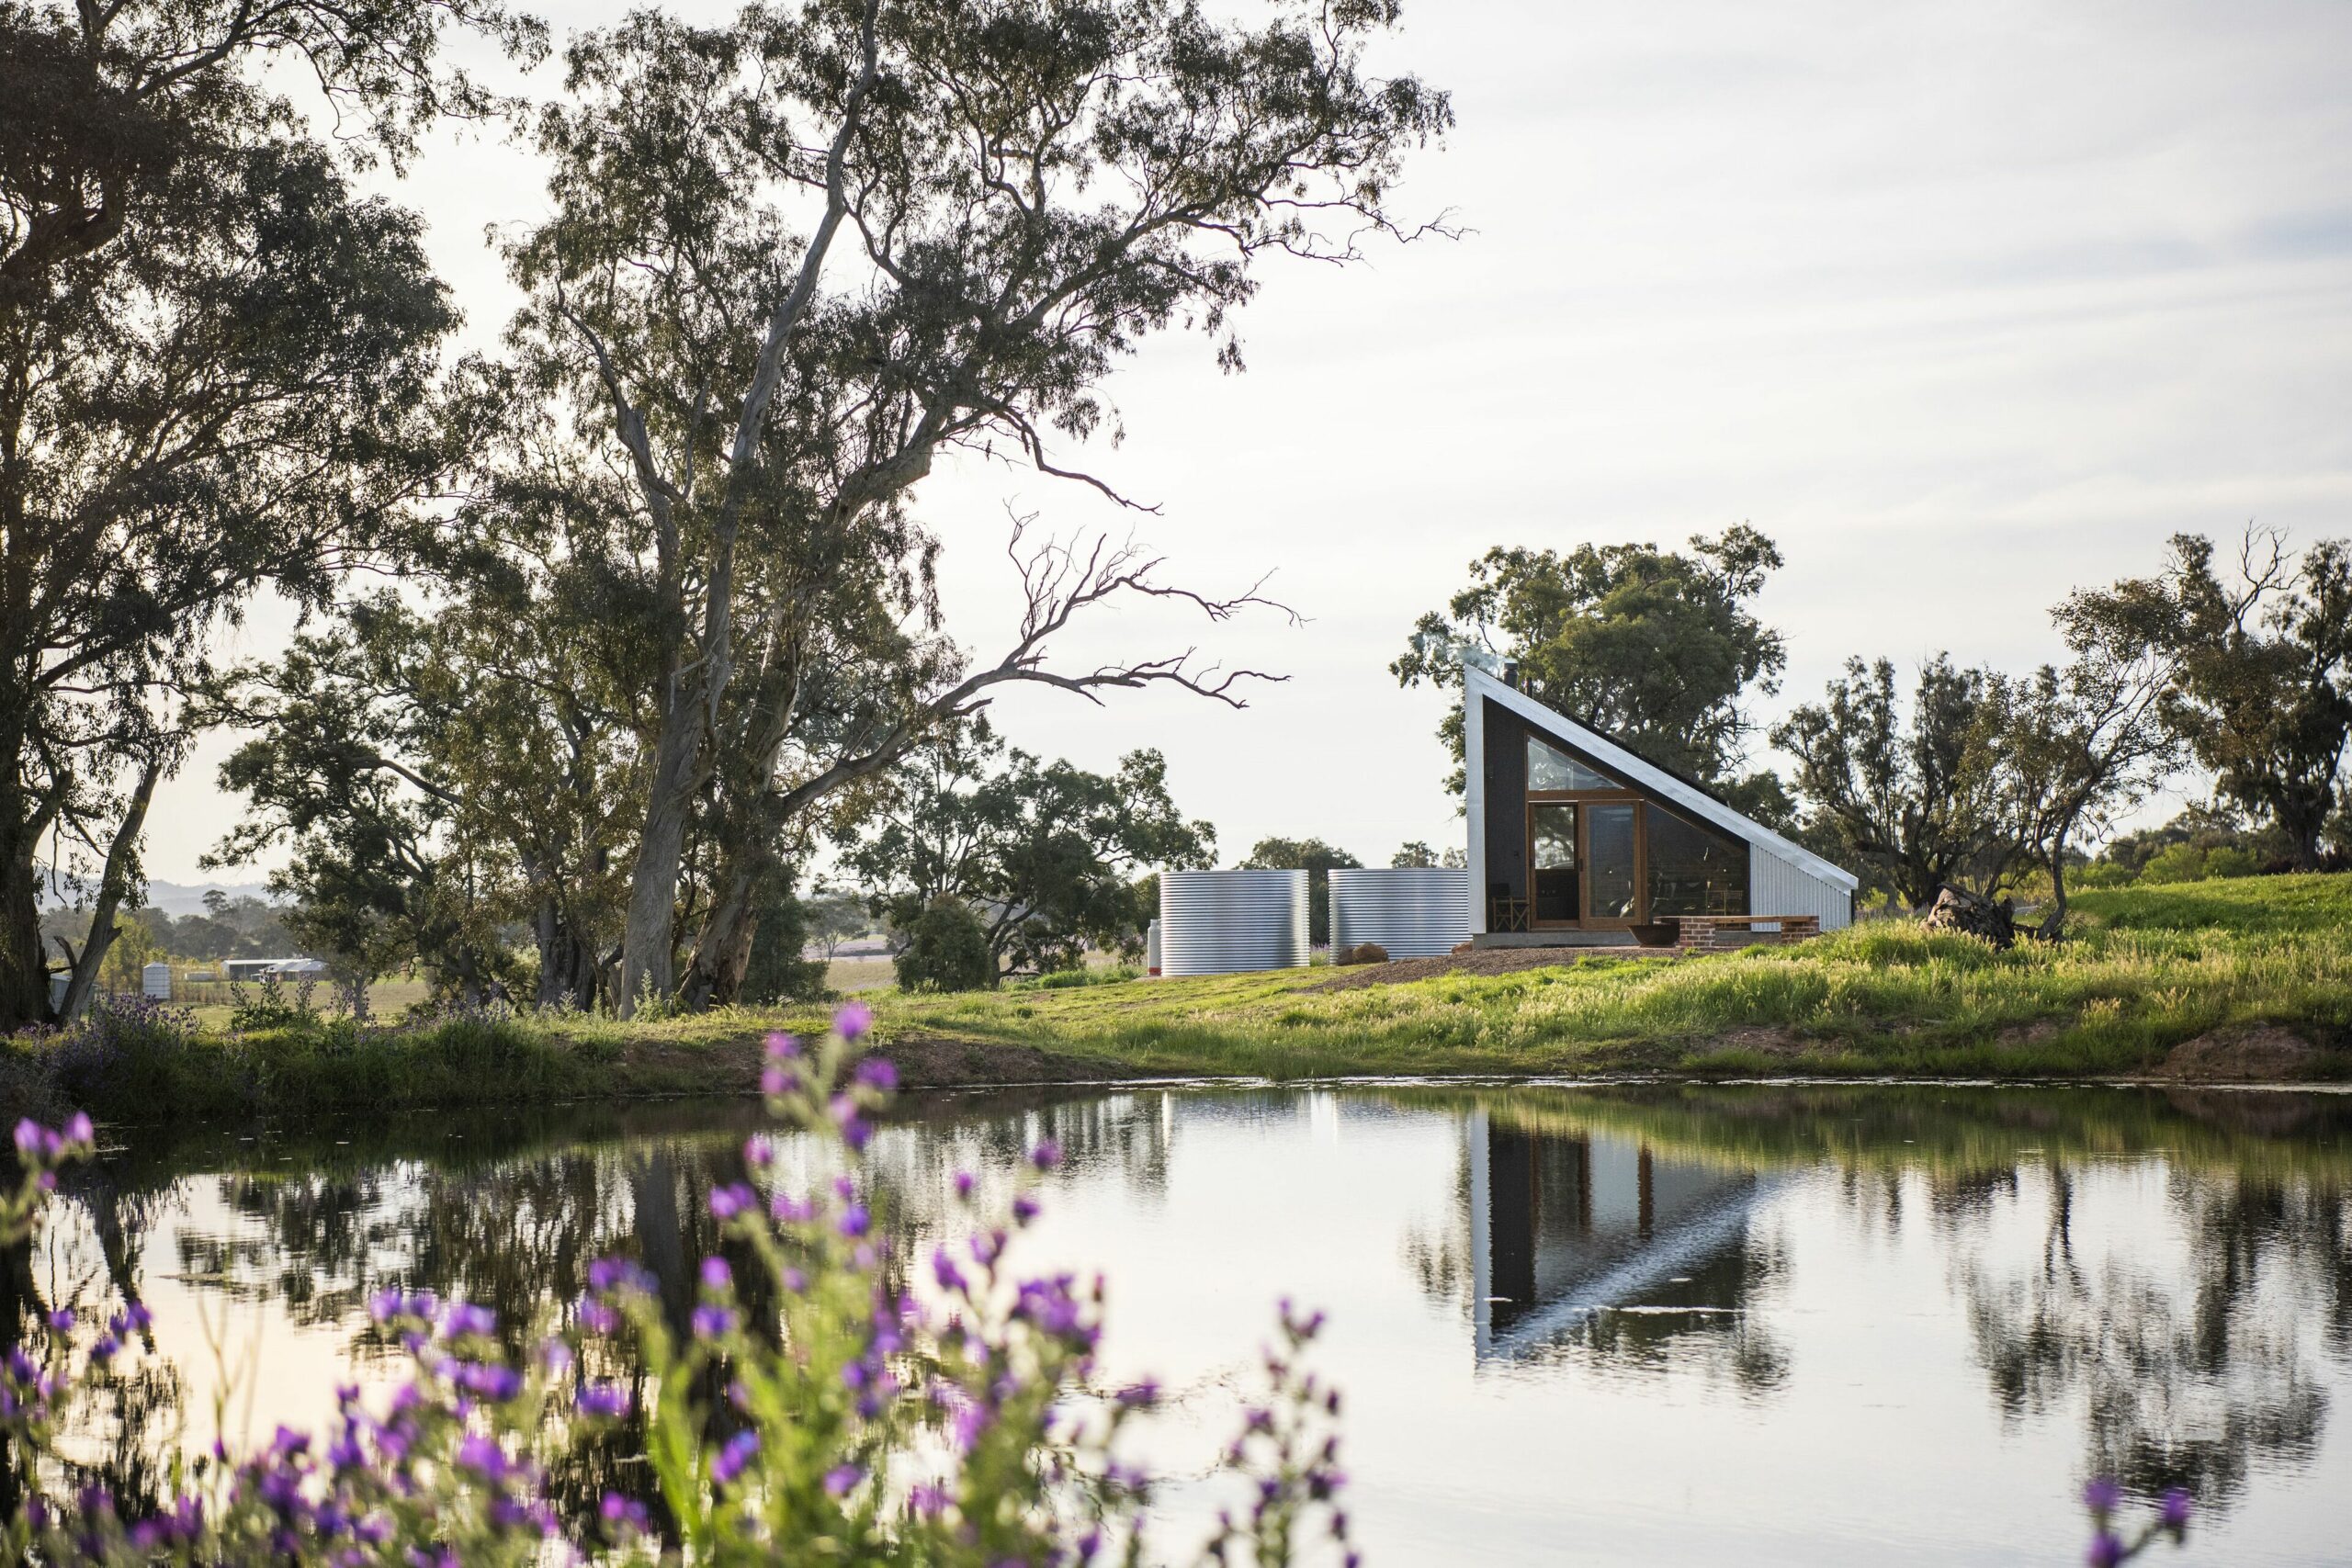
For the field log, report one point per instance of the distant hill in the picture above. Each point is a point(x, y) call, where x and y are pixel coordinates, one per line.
point(178, 897)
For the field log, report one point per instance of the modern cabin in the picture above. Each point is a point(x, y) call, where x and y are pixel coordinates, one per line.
point(1575, 841)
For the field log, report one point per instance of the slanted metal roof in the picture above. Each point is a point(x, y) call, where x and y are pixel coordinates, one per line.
point(1477, 685)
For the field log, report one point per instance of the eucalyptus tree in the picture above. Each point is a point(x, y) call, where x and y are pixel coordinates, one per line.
point(2085, 741)
point(2261, 665)
point(798, 258)
point(215, 358)
point(1045, 855)
point(1657, 647)
point(1921, 797)
point(440, 778)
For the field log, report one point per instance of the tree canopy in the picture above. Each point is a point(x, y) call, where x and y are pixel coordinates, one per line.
point(1660, 649)
point(217, 369)
point(2260, 671)
point(1047, 856)
point(1913, 793)
point(794, 259)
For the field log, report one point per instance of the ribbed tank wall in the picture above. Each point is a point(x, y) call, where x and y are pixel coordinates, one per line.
point(1411, 911)
point(1226, 922)
point(1777, 887)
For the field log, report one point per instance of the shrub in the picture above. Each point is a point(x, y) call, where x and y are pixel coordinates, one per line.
point(1365, 953)
point(815, 1407)
point(120, 1051)
point(779, 969)
point(2230, 860)
point(271, 1006)
point(946, 951)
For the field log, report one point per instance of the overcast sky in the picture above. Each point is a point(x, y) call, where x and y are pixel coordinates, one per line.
point(1963, 305)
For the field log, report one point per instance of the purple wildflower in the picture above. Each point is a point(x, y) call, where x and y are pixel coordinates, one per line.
point(604, 1400)
point(2175, 1507)
point(853, 1022)
point(623, 1513)
point(841, 1478)
point(711, 1322)
point(728, 1202)
point(484, 1458)
point(716, 1275)
point(855, 1221)
point(783, 1048)
point(877, 1072)
point(964, 1184)
point(2101, 1495)
point(2107, 1550)
point(944, 1269)
point(463, 1319)
point(734, 1457)
point(1046, 1155)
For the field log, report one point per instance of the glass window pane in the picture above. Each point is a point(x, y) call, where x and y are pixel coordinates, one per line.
point(1693, 872)
point(1551, 846)
point(1550, 768)
point(1608, 842)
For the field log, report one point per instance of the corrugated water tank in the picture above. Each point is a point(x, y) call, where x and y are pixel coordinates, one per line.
point(1411, 911)
point(1227, 923)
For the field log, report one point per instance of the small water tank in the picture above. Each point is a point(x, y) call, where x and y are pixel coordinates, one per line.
point(1411, 911)
point(1151, 950)
point(1227, 923)
point(155, 982)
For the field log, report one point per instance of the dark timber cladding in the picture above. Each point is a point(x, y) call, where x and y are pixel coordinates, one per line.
point(1615, 852)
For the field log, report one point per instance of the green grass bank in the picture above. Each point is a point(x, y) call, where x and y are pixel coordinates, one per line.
point(2248, 978)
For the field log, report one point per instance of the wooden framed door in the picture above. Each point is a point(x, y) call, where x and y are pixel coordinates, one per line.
point(1587, 863)
point(1554, 863)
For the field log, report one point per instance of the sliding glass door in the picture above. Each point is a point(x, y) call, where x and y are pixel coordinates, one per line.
point(1612, 869)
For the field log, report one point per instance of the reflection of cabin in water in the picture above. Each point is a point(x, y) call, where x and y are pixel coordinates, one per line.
point(1561, 1227)
point(1573, 840)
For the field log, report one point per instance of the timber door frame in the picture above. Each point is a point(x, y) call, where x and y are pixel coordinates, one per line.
point(1583, 800)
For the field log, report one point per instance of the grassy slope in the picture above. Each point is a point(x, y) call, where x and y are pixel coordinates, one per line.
point(2150, 969)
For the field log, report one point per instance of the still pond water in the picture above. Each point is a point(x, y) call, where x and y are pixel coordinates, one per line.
point(1786, 1324)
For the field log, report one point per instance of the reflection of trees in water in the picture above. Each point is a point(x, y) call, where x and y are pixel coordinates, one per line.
point(2186, 1377)
point(1437, 1256)
point(87, 1258)
point(317, 1234)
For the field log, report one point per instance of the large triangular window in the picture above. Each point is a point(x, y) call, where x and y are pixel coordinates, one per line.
point(1548, 767)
